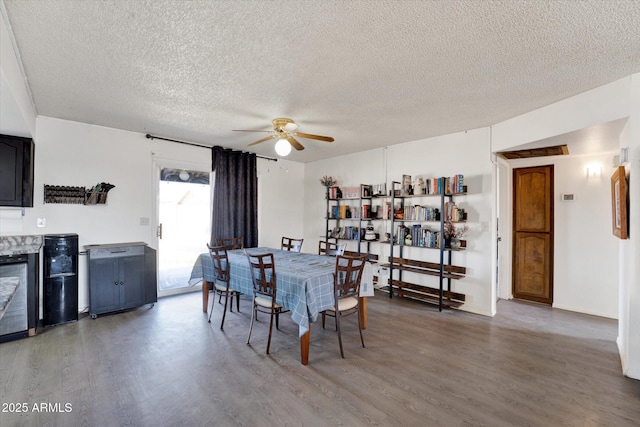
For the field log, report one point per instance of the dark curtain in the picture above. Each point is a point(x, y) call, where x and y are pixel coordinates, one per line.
point(235, 196)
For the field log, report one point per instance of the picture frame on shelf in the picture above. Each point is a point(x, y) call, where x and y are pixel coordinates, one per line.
point(365, 191)
point(619, 203)
point(406, 185)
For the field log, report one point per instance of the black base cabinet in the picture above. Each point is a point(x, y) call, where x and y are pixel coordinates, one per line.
point(122, 276)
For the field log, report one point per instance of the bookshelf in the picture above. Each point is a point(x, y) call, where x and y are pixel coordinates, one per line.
point(351, 212)
point(419, 221)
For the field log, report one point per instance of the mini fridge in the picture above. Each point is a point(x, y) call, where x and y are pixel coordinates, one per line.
point(60, 279)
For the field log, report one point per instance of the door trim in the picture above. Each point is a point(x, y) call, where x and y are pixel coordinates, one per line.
point(158, 163)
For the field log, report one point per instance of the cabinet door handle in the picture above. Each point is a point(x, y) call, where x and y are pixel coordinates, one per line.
point(116, 283)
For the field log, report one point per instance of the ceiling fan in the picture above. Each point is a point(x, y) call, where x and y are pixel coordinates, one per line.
point(284, 129)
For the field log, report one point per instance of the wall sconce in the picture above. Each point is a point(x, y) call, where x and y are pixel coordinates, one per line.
point(594, 170)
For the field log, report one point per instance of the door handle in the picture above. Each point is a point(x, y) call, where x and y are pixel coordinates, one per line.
point(159, 231)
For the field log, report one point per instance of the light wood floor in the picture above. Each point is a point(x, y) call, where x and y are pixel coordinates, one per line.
point(166, 366)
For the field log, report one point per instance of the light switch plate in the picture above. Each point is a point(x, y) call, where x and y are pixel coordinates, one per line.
point(41, 222)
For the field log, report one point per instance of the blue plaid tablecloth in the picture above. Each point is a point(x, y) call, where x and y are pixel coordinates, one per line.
point(305, 281)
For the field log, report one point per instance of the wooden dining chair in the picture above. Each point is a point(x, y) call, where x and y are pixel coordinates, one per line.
point(324, 247)
point(330, 248)
point(263, 276)
point(339, 250)
point(222, 276)
point(291, 245)
point(230, 242)
point(346, 290)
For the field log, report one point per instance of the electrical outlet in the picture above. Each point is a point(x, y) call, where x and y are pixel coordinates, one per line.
point(41, 222)
point(144, 221)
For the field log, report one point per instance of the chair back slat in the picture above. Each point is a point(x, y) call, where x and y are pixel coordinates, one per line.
point(330, 248)
point(324, 247)
point(348, 275)
point(263, 274)
point(230, 243)
point(291, 245)
point(220, 262)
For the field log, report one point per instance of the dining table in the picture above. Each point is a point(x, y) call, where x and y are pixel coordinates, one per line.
point(304, 285)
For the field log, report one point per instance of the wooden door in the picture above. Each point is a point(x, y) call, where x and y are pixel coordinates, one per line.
point(533, 234)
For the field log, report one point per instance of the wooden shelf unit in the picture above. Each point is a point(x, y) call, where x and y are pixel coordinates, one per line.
point(442, 296)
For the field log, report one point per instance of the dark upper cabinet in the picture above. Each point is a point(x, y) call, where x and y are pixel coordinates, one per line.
point(16, 171)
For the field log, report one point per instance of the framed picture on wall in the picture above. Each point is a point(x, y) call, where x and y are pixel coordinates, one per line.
point(619, 203)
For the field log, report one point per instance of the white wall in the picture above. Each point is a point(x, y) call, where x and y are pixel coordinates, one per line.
point(280, 202)
point(629, 267)
point(466, 153)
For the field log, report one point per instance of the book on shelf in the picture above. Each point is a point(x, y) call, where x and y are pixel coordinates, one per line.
point(449, 185)
point(366, 211)
point(454, 184)
point(421, 213)
point(454, 213)
point(334, 192)
point(386, 213)
point(351, 192)
point(379, 190)
point(350, 233)
point(433, 186)
point(420, 236)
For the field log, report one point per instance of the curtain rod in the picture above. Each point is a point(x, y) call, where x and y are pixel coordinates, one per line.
point(149, 136)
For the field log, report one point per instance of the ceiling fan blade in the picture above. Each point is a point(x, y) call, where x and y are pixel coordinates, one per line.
point(294, 143)
point(243, 130)
point(310, 136)
point(263, 140)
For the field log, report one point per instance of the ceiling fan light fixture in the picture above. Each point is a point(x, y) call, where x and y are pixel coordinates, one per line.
point(283, 147)
point(290, 127)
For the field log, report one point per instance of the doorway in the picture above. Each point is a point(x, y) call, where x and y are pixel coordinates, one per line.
point(533, 234)
point(184, 224)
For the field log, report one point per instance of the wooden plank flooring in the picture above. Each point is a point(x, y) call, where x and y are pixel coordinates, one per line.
point(166, 366)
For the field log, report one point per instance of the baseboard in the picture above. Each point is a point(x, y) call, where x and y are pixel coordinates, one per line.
point(589, 312)
point(623, 360)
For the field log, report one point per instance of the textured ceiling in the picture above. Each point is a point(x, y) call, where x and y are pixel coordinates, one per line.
point(369, 73)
